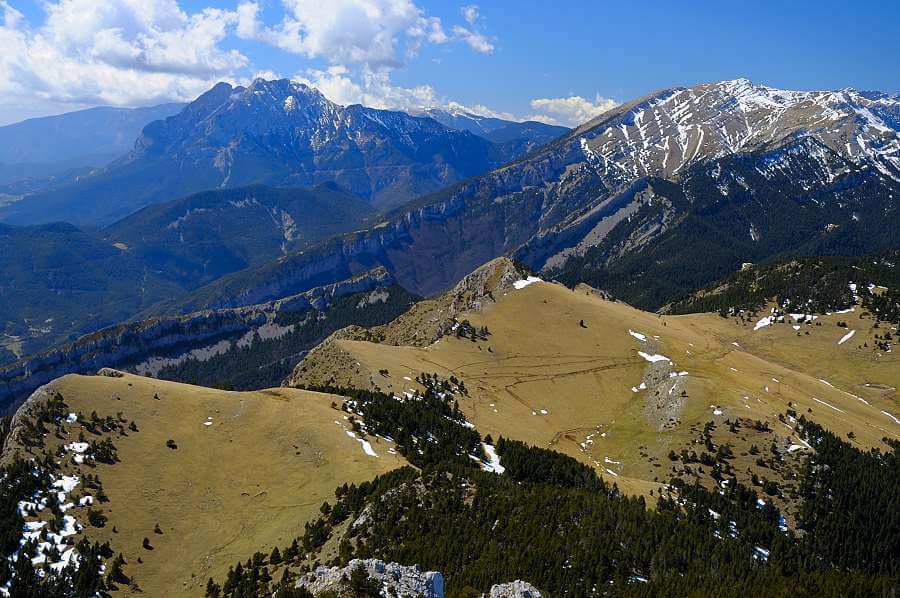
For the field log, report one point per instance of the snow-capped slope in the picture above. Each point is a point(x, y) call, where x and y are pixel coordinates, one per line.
point(457, 118)
point(663, 134)
point(514, 139)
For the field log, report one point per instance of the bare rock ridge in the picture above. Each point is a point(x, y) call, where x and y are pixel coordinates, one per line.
point(515, 589)
point(137, 341)
point(430, 319)
point(396, 580)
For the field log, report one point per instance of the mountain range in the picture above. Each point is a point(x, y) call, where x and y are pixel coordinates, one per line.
point(519, 138)
point(739, 171)
point(293, 348)
point(734, 171)
point(278, 133)
point(38, 148)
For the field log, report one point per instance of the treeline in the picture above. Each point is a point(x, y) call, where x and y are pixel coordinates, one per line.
point(25, 479)
point(805, 284)
point(427, 428)
point(542, 466)
point(479, 528)
point(850, 504)
point(266, 362)
point(549, 519)
point(569, 534)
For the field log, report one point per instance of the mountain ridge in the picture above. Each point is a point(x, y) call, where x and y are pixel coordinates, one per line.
point(275, 132)
point(77, 137)
point(564, 197)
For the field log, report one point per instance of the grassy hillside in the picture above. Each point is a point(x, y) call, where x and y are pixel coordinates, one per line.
point(248, 471)
point(559, 368)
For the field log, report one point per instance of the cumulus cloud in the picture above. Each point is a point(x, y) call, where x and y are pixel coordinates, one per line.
point(124, 52)
point(363, 42)
point(471, 36)
point(571, 111)
point(377, 33)
point(373, 88)
point(470, 13)
point(133, 52)
point(475, 40)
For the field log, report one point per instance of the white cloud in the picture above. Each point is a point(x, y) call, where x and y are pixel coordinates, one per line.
point(474, 38)
point(375, 33)
point(11, 16)
point(121, 52)
point(470, 13)
point(571, 111)
point(373, 88)
point(477, 41)
point(136, 52)
point(363, 42)
point(371, 32)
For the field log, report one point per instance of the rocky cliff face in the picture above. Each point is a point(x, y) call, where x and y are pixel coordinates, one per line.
point(135, 344)
point(424, 323)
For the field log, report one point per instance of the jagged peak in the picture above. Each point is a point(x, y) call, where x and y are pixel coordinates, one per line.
point(279, 90)
point(496, 275)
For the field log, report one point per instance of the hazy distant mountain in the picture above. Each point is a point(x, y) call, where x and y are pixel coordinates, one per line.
point(485, 125)
point(59, 281)
point(274, 132)
point(48, 145)
point(515, 138)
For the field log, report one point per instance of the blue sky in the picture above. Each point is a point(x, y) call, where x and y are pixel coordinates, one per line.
point(556, 61)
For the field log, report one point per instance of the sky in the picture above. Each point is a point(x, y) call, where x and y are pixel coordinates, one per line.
point(560, 62)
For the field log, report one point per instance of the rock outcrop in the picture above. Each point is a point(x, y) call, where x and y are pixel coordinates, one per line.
point(399, 580)
point(515, 589)
point(424, 323)
point(396, 580)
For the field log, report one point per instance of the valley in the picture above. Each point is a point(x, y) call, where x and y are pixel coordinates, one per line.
point(290, 347)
